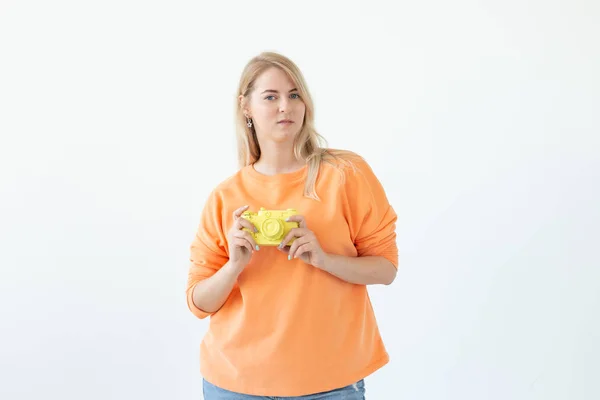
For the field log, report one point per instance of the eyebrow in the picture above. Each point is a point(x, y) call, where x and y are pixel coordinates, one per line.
point(275, 91)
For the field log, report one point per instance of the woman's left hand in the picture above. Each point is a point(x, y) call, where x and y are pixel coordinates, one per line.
point(306, 246)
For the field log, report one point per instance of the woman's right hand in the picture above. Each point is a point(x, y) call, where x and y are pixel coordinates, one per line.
point(241, 243)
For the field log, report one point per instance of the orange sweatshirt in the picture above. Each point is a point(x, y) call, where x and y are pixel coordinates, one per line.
point(288, 328)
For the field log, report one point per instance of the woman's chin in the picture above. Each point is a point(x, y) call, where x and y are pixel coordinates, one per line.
point(283, 137)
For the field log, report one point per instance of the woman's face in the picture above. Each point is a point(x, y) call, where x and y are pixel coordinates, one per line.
point(275, 106)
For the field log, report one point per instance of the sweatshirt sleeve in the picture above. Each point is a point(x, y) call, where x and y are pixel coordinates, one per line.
point(372, 218)
point(208, 250)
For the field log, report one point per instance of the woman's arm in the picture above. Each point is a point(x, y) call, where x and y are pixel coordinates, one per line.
point(362, 270)
point(367, 270)
point(211, 293)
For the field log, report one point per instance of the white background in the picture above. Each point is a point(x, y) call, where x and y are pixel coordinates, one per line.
point(480, 118)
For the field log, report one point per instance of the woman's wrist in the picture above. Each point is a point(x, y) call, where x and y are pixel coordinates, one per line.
point(233, 269)
point(326, 262)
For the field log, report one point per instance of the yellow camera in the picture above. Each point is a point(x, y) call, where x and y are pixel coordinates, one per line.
point(271, 224)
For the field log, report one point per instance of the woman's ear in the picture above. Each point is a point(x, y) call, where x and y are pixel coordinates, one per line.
point(244, 106)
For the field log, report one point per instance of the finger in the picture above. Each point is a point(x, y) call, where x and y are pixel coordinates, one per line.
point(285, 249)
point(239, 211)
point(294, 232)
point(244, 223)
point(299, 219)
point(297, 243)
point(243, 243)
point(245, 235)
point(305, 248)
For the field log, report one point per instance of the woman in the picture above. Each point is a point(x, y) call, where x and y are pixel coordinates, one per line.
point(292, 320)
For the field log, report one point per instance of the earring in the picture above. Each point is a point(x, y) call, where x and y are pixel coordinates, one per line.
point(249, 122)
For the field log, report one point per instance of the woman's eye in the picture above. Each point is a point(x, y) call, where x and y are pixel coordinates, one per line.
point(295, 96)
point(269, 97)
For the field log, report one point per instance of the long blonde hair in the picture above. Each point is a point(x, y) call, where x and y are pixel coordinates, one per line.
point(309, 145)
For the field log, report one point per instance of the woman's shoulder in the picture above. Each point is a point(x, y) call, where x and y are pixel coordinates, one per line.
point(347, 161)
point(354, 171)
point(228, 185)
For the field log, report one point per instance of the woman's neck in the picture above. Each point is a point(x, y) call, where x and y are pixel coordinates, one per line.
point(277, 160)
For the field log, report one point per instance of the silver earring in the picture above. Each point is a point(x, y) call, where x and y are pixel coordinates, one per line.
point(249, 122)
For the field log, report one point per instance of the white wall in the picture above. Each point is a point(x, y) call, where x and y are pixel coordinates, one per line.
point(480, 118)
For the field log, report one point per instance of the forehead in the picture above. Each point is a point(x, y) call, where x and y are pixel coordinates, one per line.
point(274, 78)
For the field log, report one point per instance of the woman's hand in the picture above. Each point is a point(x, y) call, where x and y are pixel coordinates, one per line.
point(241, 243)
point(306, 246)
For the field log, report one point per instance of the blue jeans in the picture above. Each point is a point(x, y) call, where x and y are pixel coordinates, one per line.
point(355, 391)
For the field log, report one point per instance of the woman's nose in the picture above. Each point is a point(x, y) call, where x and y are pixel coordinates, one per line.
point(284, 105)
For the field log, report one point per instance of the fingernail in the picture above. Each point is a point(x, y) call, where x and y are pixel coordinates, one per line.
point(257, 248)
point(289, 257)
point(287, 219)
point(255, 229)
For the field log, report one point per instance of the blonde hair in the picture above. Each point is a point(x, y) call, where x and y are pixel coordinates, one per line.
point(309, 145)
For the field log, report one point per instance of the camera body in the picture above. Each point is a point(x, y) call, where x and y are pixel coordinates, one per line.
point(271, 224)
